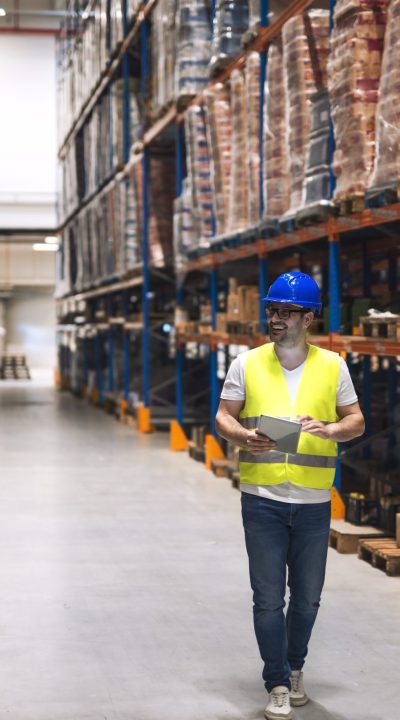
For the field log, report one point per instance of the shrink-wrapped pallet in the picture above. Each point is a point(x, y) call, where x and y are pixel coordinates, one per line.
point(219, 127)
point(231, 20)
point(387, 157)
point(252, 81)
point(239, 184)
point(132, 248)
point(305, 55)
point(193, 31)
point(184, 239)
point(199, 172)
point(354, 73)
point(163, 55)
point(161, 198)
point(345, 7)
point(276, 173)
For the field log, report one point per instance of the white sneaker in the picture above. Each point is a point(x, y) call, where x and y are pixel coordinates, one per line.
point(279, 704)
point(297, 695)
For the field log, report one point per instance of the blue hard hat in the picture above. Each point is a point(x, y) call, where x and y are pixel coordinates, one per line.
point(295, 288)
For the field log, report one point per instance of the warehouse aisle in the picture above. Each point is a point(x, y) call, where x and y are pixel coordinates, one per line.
point(124, 591)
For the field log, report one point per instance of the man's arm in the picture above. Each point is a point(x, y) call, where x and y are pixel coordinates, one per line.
point(350, 424)
point(229, 427)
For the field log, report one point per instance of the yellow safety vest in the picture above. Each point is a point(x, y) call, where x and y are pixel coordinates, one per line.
point(267, 393)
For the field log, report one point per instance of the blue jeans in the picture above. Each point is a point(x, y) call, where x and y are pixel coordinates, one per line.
point(280, 535)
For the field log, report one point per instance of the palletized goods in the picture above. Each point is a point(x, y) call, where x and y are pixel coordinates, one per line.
point(354, 73)
point(276, 174)
point(199, 171)
point(252, 81)
point(219, 126)
point(193, 47)
point(239, 184)
point(231, 21)
point(387, 158)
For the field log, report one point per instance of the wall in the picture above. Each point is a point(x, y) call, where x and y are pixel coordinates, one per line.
point(27, 131)
point(30, 321)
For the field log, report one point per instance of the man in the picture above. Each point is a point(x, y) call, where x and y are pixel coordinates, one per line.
point(286, 498)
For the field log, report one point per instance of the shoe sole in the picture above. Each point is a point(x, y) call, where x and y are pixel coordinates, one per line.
point(298, 702)
point(276, 716)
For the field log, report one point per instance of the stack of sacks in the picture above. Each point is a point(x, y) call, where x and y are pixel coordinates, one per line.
point(354, 73)
point(239, 184)
point(254, 15)
point(132, 251)
point(193, 47)
point(163, 43)
point(199, 171)
point(219, 126)
point(183, 226)
point(387, 158)
point(161, 197)
point(305, 55)
point(276, 173)
point(161, 200)
point(252, 80)
point(231, 21)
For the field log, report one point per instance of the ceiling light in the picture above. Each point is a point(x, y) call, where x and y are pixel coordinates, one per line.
point(2, 12)
point(43, 247)
point(51, 240)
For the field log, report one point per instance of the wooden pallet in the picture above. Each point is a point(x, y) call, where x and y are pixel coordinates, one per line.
point(352, 204)
point(221, 468)
point(372, 326)
point(382, 553)
point(196, 452)
point(384, 195)
point(344, 536)
point(315, 214)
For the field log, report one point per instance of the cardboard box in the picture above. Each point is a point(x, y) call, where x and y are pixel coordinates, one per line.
point(221, 322)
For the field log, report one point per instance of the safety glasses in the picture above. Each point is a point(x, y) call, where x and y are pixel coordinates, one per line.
point(282, 313)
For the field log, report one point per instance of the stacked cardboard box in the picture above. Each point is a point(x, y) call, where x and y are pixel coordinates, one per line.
point(242, 303)
point(239, 184)
point(219, 127)
point(276, 173)
point(199, 171)
point(252, 81)
point(387, 158)
point(305, 55)
point(354, 73)
point(193, 38)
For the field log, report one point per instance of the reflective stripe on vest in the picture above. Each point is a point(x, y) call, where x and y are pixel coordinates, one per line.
point(267, 393)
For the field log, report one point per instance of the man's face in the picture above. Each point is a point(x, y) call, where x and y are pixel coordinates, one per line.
point(287, 323)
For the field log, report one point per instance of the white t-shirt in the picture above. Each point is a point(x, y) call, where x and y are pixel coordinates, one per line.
point(234, 389)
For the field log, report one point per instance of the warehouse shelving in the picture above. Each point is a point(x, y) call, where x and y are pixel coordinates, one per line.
point(261, 243)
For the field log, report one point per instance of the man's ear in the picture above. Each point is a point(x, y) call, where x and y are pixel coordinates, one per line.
point(308, 318)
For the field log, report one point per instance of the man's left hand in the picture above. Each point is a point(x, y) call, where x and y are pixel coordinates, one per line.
point(316, 427)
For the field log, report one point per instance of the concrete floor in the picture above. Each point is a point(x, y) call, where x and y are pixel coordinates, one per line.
point(124, 590)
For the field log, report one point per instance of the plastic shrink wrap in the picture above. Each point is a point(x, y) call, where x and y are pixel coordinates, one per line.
point(193, 31)
point(253, 106)
point(354, 73)
point(276, 174)
point(231, 21)
point(387, 157)
point(305, 55)
point(161, 199)
point(239, 184)
point(183, 227)
point(199, 172)
point(163, 58)
point(219, 127)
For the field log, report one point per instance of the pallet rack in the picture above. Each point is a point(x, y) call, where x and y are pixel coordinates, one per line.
point(261, 243)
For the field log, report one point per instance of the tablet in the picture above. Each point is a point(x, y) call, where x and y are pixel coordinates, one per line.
point(286, 433)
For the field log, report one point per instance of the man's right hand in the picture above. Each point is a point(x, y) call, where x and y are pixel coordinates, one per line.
point(258, 443)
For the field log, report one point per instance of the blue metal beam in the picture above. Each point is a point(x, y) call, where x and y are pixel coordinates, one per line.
point(110, 349)
point(144, 60)
point(334, 286)
point(367, 399)
point(126, 142)
point(332, 177)
point(214, 387)
point(262, 279)
point(126, 370)
point(264, 12)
